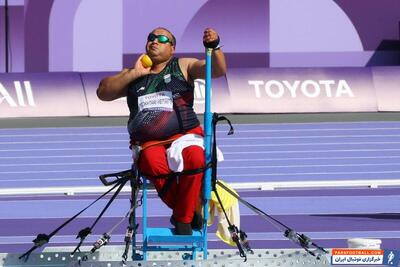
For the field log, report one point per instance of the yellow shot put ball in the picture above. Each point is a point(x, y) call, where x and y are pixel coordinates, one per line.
point(146, 61)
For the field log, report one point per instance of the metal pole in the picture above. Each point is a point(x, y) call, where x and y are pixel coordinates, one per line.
point(207, 144)
point(6, 33)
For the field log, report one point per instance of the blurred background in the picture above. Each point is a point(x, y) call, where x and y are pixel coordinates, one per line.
point(104, 35)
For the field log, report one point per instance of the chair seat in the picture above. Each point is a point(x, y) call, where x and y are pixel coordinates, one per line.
point(167, 235)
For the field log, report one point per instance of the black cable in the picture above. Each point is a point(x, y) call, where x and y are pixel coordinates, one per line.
point(42, 239)
point(300, 239)
point(252, 207)
point(233, 230)
point(292, 235)
point(88, 230)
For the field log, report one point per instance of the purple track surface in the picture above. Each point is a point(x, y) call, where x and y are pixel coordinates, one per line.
point(58, 157)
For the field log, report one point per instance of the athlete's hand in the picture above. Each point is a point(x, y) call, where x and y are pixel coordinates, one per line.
point(139, 68)
point(210, 38)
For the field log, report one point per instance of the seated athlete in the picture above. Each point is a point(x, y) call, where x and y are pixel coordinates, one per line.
point(160, 100)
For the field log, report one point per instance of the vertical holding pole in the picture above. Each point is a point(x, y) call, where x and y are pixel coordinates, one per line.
point(144, 219)
point(135, 187)
point(6, 34)
point(207, 144)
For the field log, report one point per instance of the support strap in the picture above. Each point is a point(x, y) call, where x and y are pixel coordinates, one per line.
point(172, 176)
point(130, 236)
point(301, 239)
point(132, 227)
point(88, 230)
point(42, 239)
point(238, 236)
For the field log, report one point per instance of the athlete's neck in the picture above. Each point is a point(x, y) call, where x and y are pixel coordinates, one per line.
point(159, 66)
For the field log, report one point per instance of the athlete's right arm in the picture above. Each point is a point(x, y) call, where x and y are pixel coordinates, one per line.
point(116, 86)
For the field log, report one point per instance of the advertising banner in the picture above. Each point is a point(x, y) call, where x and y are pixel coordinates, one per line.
point(242, 90)
point(262, 90)
point(220, 96)
point(387, 87)
point(119, 107)
point(41, 95)
point(97, 107)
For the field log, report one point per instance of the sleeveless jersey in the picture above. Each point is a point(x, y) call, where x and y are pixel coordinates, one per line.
point(160, 105)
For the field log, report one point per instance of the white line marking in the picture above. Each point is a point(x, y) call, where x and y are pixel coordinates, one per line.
point(62, 134)
point(237, 125)
point(58, 171)
point(64, 164)
point(64, 142)
point(305, 137)
point(312, 130)
point(310, 165)
point(64, 128)
point(311, 144)
point(50, 179)
point(313, 151)
point(113, 170)
point(62, 149)
point(221, 167)
point(252, 185)
point(226, 160)
point(67, 156)
point(307, 173)
point(237, 152)
point(313, 158)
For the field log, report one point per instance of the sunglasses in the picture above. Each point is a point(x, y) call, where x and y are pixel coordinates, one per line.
point(161, 38)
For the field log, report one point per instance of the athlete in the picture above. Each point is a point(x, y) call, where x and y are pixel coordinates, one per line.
point(162, 120)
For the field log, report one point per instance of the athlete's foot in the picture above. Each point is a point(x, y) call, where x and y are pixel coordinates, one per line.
point(183, 228)
point(197, 222)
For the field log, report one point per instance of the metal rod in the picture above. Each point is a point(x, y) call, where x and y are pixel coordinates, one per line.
point(207, 144)
point(6, 33)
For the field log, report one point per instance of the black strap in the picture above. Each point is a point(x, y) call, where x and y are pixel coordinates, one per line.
point(167, 185)
point(135, 186)
point(130, 231)
point(42, 239)
point(252, 207)
point(172, 176)
point(132, 228)
point(214, 161)
point(88, 230)
point(300, 239)
point(233, 229)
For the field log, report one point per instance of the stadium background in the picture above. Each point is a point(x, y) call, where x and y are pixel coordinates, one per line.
point(58, 50)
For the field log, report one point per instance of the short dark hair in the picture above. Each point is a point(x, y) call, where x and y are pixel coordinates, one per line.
point(173, 41)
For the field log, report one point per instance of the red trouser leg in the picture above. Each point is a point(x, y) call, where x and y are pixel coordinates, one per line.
point(182, 195)
point(189, 186)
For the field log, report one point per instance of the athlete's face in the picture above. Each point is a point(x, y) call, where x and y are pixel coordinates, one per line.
point(158, 47)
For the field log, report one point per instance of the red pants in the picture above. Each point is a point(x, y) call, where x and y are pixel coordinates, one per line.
point(183, 194)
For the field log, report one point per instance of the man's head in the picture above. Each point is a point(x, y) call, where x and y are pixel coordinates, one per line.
point(160, 44)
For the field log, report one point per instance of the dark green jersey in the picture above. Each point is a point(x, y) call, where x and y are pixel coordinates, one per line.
point(161, 105)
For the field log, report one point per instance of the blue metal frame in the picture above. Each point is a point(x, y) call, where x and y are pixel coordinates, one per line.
point(198, 240)
point(159, 236)
point(207, 143)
